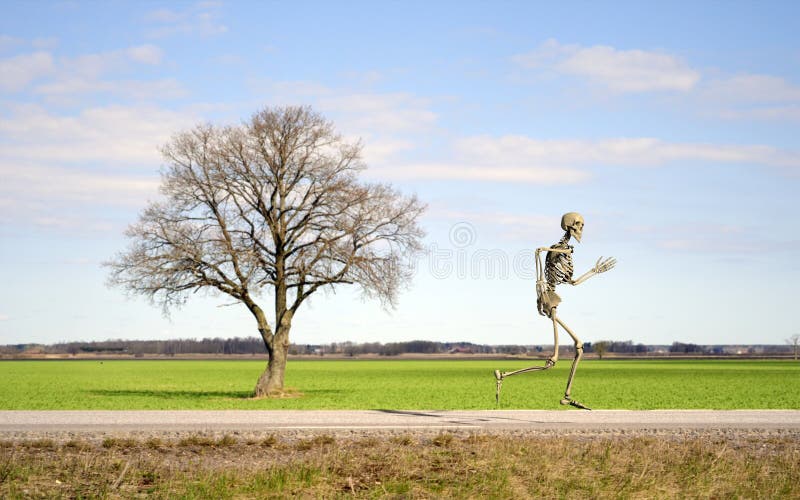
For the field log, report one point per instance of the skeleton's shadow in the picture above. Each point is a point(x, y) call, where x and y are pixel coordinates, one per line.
point(409, 413)
point(421, 414)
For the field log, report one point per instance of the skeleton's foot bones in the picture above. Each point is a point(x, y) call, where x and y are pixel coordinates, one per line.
point(571, 402)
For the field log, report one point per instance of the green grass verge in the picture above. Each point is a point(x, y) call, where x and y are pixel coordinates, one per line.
point(398, 384)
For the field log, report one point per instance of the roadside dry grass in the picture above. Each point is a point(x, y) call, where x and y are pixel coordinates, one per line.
point(406, 466)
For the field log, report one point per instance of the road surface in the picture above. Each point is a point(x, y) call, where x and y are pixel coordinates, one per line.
point(15, 423)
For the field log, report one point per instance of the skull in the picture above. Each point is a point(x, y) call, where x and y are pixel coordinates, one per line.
point(573, 222)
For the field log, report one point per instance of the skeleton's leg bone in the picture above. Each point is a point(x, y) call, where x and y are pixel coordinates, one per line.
point(555, 319)
point(547, 364)
point(498, 380)
point(567, 329)
point(578, 355)
point(575, 361)
point(499, 376)
point(551, 362)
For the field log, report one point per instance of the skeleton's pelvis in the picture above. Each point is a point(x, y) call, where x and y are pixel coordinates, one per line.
point(547, 301)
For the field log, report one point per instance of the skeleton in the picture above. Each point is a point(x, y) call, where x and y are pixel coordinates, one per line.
point(558, 269)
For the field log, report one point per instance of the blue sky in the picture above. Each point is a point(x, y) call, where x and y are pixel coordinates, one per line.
point(672, 128)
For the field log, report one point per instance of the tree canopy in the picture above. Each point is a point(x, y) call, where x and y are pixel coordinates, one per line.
point(273, 204)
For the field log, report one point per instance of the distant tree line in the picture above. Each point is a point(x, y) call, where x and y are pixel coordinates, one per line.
point(255, 346)
point(411, 347)
point(235, 345)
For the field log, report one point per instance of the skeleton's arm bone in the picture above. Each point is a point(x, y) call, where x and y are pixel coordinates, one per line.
point(585, 276)
point(555, 250)
point(600, 266)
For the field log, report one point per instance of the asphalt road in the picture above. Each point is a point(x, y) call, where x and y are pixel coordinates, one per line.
point(15, 422)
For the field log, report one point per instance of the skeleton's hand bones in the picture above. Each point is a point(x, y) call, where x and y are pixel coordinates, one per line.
point(600, 267)
point(604, 265)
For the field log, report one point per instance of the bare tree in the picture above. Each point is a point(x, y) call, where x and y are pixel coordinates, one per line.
point(794, 341)
point(270, 207)
point(601, 347)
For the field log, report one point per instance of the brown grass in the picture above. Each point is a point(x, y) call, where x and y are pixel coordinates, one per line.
point(407, 466)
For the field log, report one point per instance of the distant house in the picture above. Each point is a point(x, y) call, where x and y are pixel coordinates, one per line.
point(461, 350)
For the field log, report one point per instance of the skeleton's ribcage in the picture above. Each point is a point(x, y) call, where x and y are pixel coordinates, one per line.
point(558, 269)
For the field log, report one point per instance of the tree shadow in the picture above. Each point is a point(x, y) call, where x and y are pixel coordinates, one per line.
point(172, 394)
point(323, 391)
point(184, 394)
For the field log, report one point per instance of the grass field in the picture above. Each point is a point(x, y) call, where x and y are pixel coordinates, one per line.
point(398, 384)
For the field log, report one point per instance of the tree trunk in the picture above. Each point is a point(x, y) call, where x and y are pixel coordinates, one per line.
point(270, 383)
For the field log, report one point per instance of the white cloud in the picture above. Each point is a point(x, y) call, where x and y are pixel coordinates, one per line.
point(83, 73)
point(394, 112)
point(60, 172)
point(141, 90)
point(617, 70)
point(713, 239)
point(390, 123)
point(743, 96)
point(767, 113)
point(367, 114)
point(481, 173)
point(546, 55)
point(397, 122)
point(92, 65)
point(753, 96)
point(367, 78)
point(145, 54)
point(163, 16)
point(752, 87)
point(112, 136)
point(95, 65)
point(290, 92)
point(635, 151)
point(18, 71)
point(56, 184)
point(631, 70)
point(499, 224)
point(387, 123)
point(199, 19)
point(523, 159)
point(7, 42)
point(45, 43)
point(379, 150)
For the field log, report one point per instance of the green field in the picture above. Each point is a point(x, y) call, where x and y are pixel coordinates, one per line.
point(398, 384)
